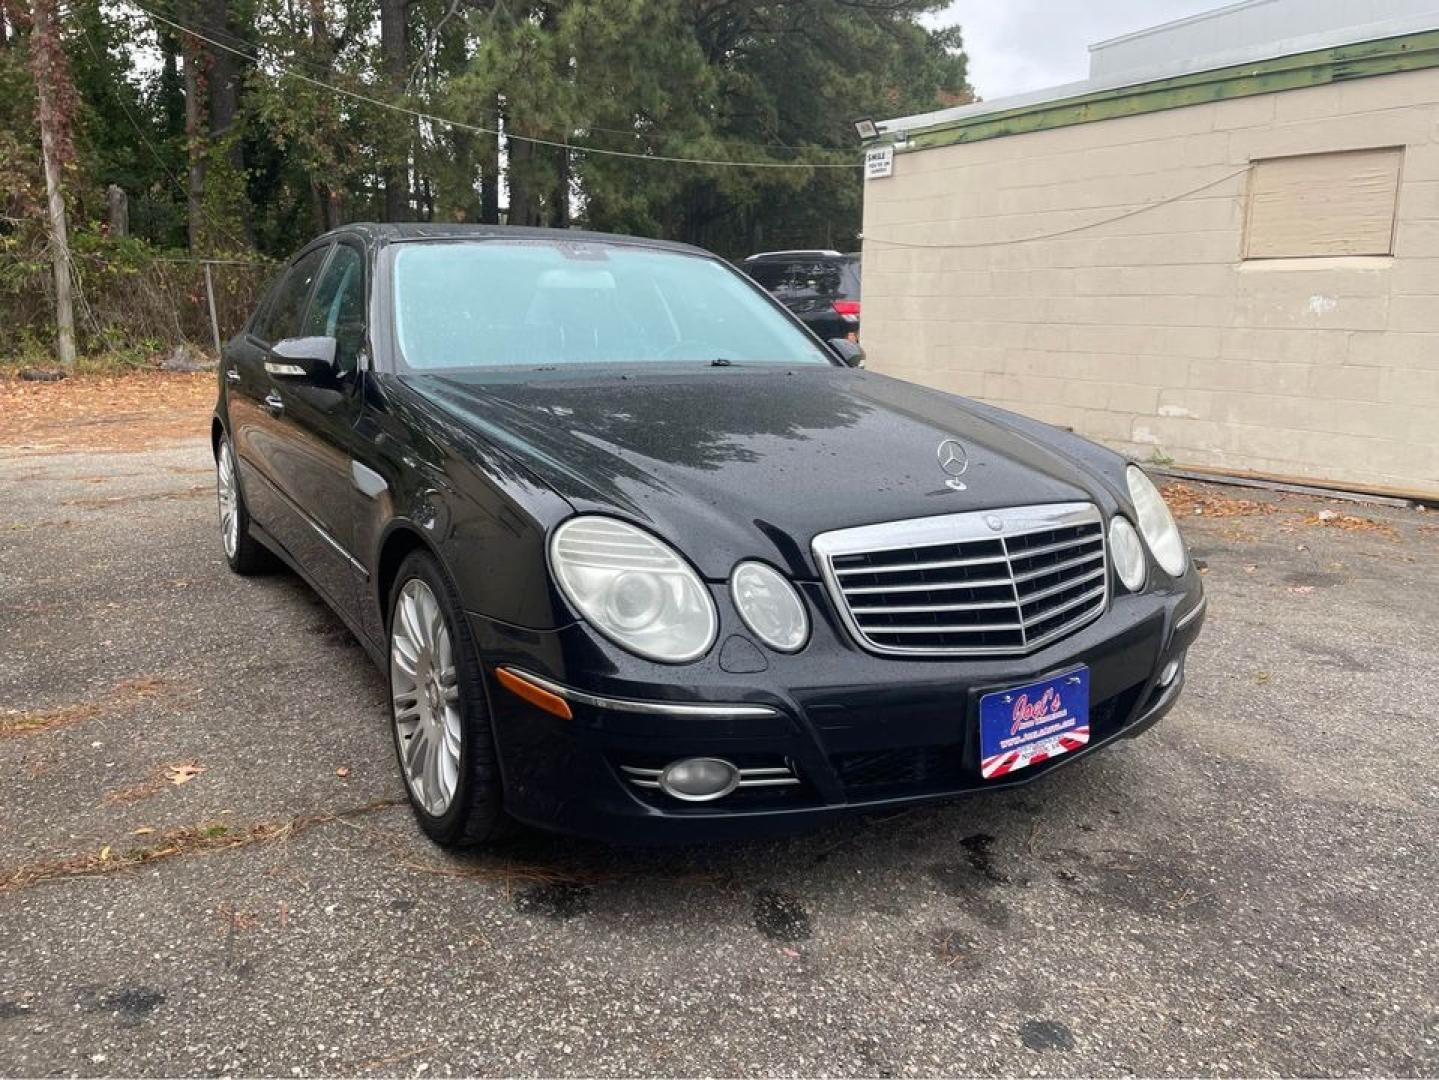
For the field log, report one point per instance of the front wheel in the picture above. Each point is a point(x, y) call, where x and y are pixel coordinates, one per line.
point(441, 723)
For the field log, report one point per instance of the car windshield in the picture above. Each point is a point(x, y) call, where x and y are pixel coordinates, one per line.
point(494, 303)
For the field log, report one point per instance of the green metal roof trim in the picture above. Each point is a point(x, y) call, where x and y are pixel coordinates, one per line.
point(1387, 56)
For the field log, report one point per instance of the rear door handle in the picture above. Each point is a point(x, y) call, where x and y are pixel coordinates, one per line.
point(232, 375)
point(274, 403)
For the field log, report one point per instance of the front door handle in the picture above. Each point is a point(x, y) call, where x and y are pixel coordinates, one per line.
point(274, 403)
point(232, 375)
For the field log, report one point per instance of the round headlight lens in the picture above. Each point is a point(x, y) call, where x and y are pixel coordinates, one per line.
point(1156, 522)
point(633, 588)
point(769, 606)
point(1127, 552)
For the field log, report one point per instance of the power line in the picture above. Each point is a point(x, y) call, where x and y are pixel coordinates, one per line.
point(1131, 212)
point(477, 129)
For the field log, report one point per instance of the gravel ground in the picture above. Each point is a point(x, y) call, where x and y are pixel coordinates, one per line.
point(1250, 888)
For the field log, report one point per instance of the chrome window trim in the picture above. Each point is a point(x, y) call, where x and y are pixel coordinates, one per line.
point(961, 528)
point(650, 708)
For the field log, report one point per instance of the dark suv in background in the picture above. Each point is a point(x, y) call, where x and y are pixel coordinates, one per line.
point(821, 287)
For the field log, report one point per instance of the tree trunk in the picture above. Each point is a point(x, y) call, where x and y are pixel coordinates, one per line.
point(521, 210)
point(393, 53)
point(117, 210)
point(490, 166)
point(224, 77)
point(560, 199)
point(218, 203)
point(54, 94)
point(324, 198)
point(194, 58)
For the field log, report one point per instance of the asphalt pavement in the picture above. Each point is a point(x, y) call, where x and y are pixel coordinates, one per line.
point(206, 866)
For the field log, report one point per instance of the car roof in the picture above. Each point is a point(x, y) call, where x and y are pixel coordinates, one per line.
point(799, 253)
point(399, 232)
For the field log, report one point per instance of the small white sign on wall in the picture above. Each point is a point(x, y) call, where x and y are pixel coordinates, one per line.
point(879, 162)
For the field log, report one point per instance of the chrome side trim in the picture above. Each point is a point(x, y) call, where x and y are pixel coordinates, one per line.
point(650, 708)
point(335, 544)
point(323, 532)
point(1192, 614)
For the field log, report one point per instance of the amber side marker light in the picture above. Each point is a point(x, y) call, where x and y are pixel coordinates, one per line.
point(528, 691)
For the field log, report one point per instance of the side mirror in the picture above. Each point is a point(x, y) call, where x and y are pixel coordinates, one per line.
point(305, 357)
point(848, 351)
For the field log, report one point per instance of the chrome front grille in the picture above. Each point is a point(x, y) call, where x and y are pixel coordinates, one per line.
point(991, 582)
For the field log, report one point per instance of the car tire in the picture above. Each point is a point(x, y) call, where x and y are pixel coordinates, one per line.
point(243, 552)
point(437, 691)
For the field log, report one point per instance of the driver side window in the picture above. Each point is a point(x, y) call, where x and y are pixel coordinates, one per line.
point(338, 307)
point(282, 319)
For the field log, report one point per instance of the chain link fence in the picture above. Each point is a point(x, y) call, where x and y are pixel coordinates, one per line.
point(134, 304)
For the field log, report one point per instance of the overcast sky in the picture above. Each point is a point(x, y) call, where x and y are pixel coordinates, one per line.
point(1018, 45)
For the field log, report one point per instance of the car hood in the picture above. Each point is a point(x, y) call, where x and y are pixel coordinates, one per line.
point(732, 462)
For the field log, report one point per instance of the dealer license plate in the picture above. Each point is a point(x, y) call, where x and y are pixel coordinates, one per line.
point(1025, 725)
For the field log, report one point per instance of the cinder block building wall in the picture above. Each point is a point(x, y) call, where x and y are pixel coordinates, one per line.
point(1249, 284)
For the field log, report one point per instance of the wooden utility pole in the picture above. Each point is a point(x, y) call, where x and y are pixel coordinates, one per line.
point(52, 88)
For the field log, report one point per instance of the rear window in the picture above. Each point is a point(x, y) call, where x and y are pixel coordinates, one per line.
point(791, 279)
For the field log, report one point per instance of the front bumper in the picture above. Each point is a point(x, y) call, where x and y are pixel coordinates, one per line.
point(859, 732)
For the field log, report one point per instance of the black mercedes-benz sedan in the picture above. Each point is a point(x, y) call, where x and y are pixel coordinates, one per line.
point(644, 559)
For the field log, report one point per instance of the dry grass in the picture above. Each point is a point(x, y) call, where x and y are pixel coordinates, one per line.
point(190, 840)
point(15, 722)
point(95, 502)
point(145, 789)
point(121, 696)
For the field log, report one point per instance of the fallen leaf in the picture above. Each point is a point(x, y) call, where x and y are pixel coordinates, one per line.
point(105, 853)
point(143, 830)
point(1352, 523)
point(343, 771)
point(1184, 499)
point(184, 772)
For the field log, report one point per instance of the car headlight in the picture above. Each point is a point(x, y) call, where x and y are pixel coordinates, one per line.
point(769, 606)
point(1128, 553)
point(637, 591)
point(1156, 522)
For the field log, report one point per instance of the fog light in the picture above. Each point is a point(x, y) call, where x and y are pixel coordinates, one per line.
point(1166, 676)
point(699, 779)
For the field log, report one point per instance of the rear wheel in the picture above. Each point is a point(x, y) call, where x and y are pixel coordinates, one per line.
point(243, 552)
point(441, 722)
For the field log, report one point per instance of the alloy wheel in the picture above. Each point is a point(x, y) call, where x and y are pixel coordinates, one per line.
point(425, 689)
point(228, 496)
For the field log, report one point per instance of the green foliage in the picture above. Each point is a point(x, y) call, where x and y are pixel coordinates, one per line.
point(760, 81)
